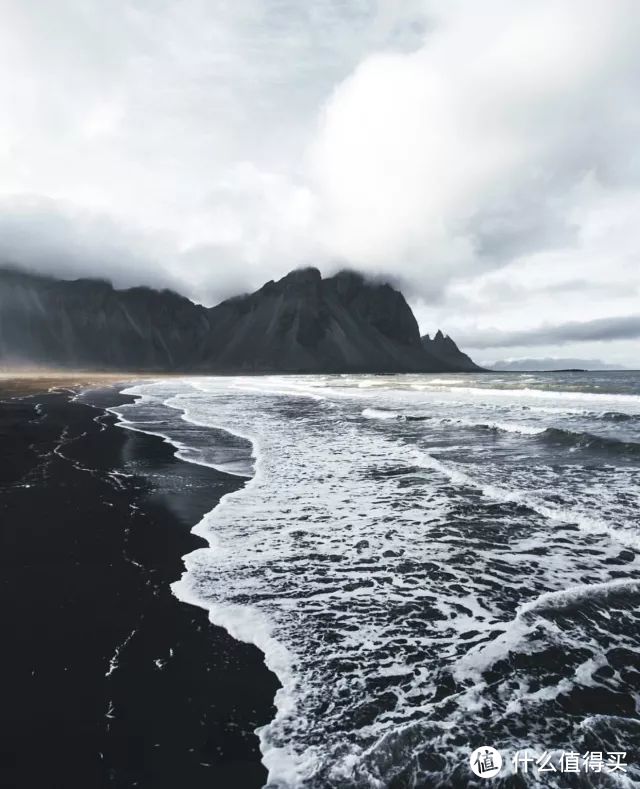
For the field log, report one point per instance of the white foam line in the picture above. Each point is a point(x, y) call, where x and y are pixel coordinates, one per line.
point(550, 394)
point(379, 413)
point(565, 516)
point(182, 449)
point(506, 427)
point(478, 660)
point(247, 624)
point(564, 597)
point(251, 626)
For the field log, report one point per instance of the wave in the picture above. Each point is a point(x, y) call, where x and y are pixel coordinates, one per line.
point(584, 440)
point(616, 416)
point(250, 625)
point(244, 623)
point(554, 436)
point(380, 413)
point(585, 523)
point(549, 394)
point(479, 660)
point(574, 439)
point(498, 427)
point(503, 427)
point(229, 459)
point(565, 598)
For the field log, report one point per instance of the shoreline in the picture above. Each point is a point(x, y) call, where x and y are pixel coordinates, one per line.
point(114, 681)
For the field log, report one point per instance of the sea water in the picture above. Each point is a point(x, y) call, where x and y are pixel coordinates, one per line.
point(429, 563)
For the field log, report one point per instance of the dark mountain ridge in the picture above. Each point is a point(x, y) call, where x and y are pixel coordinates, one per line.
point(442, 347)
point(301, 323)
point(86, 323)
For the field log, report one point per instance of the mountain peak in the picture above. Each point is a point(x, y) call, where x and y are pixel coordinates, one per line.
point(443, 348)
point(303, 276)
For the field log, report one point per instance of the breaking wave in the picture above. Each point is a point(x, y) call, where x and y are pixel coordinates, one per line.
point(586, 440)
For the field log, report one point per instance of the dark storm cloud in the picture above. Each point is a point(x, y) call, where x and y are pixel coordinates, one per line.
point(599, 330)
point(530, 225)
point(41, 235)
point(49, 237)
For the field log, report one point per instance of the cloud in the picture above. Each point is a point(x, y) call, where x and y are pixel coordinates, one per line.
point(42, 234)
point(461, 156)
point(177, 128)
point(444, 144)
point(600, 329)
point(52, 237)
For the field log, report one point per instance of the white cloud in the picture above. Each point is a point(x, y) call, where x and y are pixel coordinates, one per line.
point(424, 159)
point(483, 154)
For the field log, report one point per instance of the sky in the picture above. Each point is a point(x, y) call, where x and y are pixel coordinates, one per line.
point(483, 157)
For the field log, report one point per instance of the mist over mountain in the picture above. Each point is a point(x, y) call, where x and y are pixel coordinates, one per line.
point(301, 323)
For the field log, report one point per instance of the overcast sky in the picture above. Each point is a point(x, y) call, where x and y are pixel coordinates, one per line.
point(483, 155)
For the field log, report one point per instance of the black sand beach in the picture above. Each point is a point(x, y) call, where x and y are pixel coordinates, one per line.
point(107, 679)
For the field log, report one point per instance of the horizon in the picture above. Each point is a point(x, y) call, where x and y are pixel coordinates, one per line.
point(591, 365)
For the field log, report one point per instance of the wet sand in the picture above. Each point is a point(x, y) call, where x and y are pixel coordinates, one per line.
point(108, 680)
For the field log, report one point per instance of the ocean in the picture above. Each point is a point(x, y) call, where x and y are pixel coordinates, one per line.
point(430, 564)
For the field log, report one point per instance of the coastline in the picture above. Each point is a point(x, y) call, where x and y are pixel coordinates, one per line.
point(110, 680)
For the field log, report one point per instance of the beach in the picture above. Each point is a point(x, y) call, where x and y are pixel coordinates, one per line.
point(415, 566)
point(109, 680)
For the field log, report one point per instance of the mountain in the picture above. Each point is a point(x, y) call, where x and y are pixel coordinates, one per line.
point(549, 364)
point(301, 323)
point(87, 324)
point(444, 349)
point(304, 322)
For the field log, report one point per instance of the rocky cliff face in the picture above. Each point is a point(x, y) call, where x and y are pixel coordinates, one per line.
point(445, 350)
point(302, 323)
point(87, 324)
